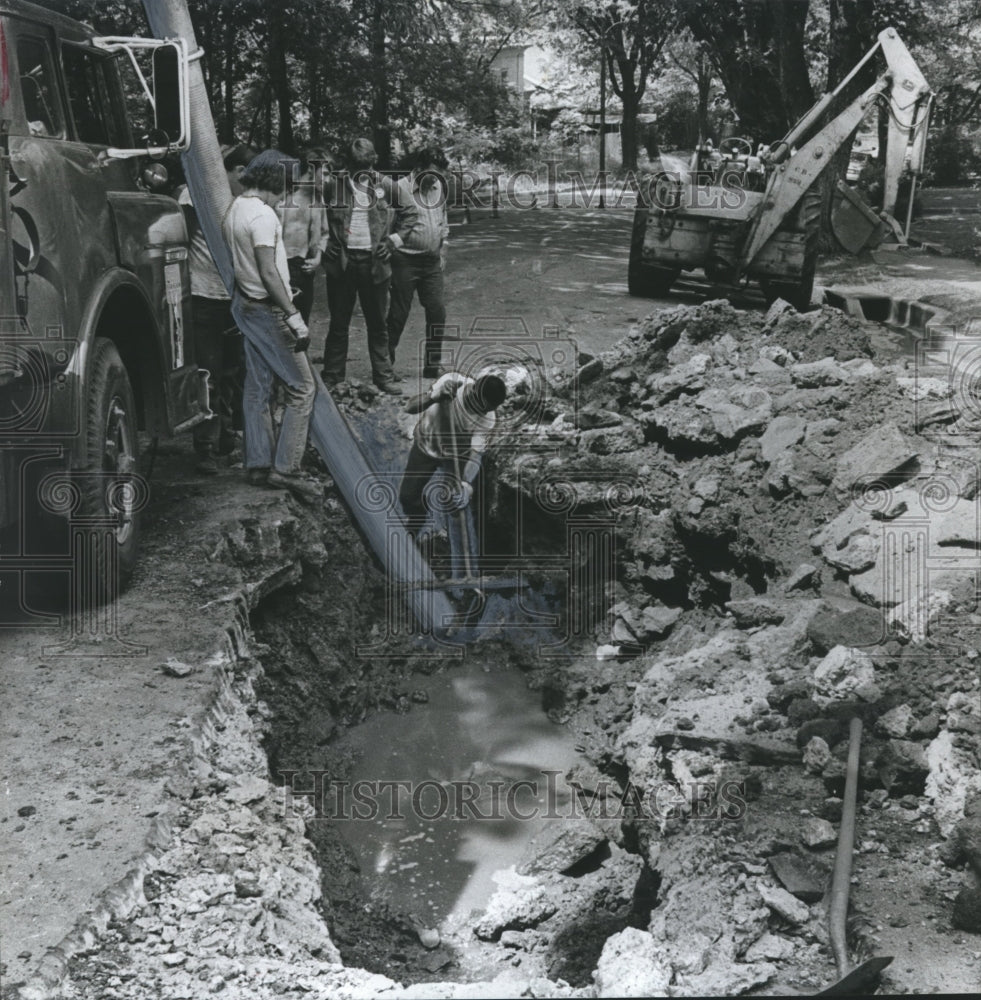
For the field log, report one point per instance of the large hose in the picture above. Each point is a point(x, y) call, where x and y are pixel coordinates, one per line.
point(372, 504)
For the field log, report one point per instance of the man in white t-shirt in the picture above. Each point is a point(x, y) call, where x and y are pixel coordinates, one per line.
point(276, 337)
point(452, 434)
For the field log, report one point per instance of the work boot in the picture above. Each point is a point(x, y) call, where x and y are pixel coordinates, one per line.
point(301, 487)
point(206, 465)
point(389, 387)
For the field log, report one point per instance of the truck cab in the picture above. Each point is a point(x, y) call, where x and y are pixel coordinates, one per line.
point(94, 302)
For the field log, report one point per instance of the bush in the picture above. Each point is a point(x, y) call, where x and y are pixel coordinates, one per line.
point(951, 157)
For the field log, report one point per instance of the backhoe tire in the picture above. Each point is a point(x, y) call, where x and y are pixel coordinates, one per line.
point(798, 293)
point(646, 281)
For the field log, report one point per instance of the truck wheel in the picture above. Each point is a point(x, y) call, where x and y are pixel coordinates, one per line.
point(646, 281)
point(798, 293)
point(111, 489)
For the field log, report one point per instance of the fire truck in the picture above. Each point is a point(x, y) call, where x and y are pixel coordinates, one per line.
point(94, 294)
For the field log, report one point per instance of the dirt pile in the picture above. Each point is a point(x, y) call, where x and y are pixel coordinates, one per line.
point(767, 478)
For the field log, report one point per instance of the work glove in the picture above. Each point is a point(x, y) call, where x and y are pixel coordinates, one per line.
point(295, 322)
point(302, 345)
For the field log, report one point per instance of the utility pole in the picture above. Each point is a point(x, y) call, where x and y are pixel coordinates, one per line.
point(602, 129)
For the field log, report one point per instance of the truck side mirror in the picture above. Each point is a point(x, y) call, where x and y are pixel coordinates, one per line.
point(168, 94)
point(167, 88)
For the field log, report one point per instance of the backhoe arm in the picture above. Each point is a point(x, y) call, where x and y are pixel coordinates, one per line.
point(908, 100)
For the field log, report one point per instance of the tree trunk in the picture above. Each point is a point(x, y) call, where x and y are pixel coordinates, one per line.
point(279, 76)
point(630, 104)
point(381, 136)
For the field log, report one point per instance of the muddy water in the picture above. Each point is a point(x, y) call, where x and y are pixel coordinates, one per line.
point(482, 771)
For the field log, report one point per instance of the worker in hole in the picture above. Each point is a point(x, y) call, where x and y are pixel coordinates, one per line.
point(457, 417)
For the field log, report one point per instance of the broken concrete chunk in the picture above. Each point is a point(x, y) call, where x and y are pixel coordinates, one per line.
point(802, 578)
point(770, 946)
point(846, 673)
point(631, 966)
point(903, 768)
point(953, 781)
point(574, 842)
point(519, 903)
point(817, 832)
point(857, 627)
point(589, 419)
point(818, 374)
point(882, 454)
point(756, 611)
point(858, 555)
point(175, 668)
point(895, 723)
point(817, 755)
point(782, 433)
point(799, 875)
point(249, 789)
point(783, 903)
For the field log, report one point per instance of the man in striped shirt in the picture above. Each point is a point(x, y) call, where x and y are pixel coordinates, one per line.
point(417, 265)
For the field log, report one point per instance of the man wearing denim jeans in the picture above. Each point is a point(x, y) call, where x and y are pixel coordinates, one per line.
point(417, 266)
point(276, 337)
point(367, 218)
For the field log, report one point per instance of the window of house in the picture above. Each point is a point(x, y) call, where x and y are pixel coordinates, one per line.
point(38, 87)
point(94, 103)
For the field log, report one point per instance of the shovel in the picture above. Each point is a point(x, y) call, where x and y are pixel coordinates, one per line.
point(862, 980)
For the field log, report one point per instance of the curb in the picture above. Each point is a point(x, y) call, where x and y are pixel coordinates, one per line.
point(921, 318)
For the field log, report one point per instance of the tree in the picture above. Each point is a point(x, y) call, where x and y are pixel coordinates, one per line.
point(757, 47)
point(628, 35)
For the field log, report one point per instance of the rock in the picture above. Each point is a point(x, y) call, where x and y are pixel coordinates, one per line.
point(817, 832)
point(802, 578)
point(685, 378)
point(629, 966)
point(817, 374)
point(799, 875)
point(783, 903)
point(588, 419)
point(249, 789)
point(925, 387)
point(895, 723)
point(858, 555)
point(801, 710)
point(707, 488)
point(613, 440)
point(782, 433)
point(607, 652)
point(966, 915)
point(756, 611)
point(964, 845)
point(953, 781)
point(770, 946)
point(519, 903)
point(574, 842)
point(902, 767)
point(846, 673)
point(25, 811)
point(817, 755)
point(882, 454)
point(777, 308)
point(175, 668)
point(857, 628)
point(247, 885)
point(589, 372)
